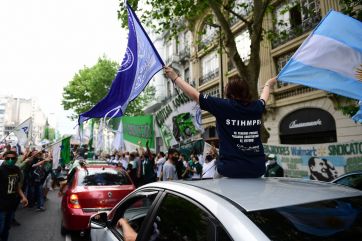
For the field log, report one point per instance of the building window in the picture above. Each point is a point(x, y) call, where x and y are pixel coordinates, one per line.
point(169, 52)
point(281, 61)
point(213, 92)
point(207, 36)
point(294, 18)
point(184, 45)
point(209, 67)
point(187, 75)
point(241, 7)
point(243, 43)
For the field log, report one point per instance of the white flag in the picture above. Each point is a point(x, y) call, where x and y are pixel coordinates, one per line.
point(99, 145)
point(118, 142)
point(23, 132)
point(56, 150)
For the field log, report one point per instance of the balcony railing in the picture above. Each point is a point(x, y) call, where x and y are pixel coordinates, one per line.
point(300, 90)
point(209, 76)
point(289, 34)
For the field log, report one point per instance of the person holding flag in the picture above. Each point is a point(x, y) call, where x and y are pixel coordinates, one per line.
point(238, 121)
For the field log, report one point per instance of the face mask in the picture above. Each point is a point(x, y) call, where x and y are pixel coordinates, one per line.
point(10, 162)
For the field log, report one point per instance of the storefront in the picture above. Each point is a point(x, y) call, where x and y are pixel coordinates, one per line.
point(308, 126)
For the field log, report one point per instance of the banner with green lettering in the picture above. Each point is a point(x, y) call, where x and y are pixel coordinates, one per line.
point(179, 120)
point(322, 162)
point(138, 128)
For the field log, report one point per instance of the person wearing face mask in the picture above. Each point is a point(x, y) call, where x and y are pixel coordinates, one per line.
point(273, 169)
point(10, 191)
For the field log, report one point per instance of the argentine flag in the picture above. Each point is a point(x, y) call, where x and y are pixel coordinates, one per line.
point(330, 58)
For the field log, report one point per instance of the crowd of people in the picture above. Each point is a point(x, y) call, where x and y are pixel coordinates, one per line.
point(144, 166)
point(33, 174)
point(25, 178)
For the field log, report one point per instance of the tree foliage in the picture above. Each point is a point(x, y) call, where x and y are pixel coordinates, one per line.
point(352, 8)
point(91, 84)
point(174, 16)
point(170, 15)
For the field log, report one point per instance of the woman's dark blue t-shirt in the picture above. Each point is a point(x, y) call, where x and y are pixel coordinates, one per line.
point(238, 127)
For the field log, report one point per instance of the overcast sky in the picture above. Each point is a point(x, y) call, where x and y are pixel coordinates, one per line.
point(44, 43)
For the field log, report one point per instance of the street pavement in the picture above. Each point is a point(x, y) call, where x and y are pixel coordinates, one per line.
point(41, 226)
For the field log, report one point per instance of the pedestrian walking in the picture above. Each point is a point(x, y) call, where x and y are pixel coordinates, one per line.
point(10, 192)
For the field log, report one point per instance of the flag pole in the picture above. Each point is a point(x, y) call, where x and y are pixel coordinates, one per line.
point(57, 142)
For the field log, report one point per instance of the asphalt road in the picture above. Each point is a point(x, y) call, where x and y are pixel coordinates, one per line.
point(41, 226)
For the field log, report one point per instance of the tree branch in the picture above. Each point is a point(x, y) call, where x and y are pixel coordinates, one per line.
point(248, 23)
point(230, 39)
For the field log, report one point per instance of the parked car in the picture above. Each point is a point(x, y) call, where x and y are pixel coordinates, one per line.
point(351, 179)
point(236, 209)
point(91, 189)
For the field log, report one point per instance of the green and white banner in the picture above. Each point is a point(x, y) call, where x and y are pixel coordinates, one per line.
point(322, 162)
point(138, 128)
point(179, 120)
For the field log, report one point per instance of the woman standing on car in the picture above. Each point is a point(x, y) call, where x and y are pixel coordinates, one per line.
point(238, 121)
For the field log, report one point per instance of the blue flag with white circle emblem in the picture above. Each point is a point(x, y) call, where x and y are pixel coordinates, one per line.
point(140, 63)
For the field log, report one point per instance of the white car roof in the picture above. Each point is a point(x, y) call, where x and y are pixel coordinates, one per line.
point(265, 193)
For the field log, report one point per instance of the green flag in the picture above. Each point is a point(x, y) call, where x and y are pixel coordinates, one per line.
point(46, 130)
point(65, 151)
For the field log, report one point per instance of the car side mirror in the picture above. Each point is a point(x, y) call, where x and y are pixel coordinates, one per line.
point(98, 220)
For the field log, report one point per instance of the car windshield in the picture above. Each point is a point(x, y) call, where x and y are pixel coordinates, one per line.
point(102, 177)
point(330, 220)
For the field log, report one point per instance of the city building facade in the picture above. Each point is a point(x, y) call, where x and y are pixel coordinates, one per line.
point(14, 111)
point(295, 114)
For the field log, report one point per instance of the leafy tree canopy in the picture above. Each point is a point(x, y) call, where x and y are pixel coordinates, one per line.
point(173, 16)
point(91, 84)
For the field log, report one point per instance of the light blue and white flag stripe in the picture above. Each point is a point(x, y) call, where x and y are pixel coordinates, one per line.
point(329, 58)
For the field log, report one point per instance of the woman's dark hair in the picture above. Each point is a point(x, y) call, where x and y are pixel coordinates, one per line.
point(237, 89)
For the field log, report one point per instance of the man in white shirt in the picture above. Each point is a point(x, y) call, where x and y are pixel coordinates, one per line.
point(124, 162)
point(159, 161)
point(208, 168)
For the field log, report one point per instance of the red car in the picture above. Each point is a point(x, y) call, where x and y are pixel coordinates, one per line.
point(91, 189)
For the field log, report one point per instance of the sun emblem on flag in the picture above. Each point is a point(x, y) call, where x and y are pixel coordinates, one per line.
point(321, 151)
point(359, 73)
point(128, 60)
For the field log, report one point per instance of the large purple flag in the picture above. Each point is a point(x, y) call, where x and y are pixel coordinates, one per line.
point(140, 63)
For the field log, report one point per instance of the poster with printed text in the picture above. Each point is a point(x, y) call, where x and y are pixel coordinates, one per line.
point(323, 162)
